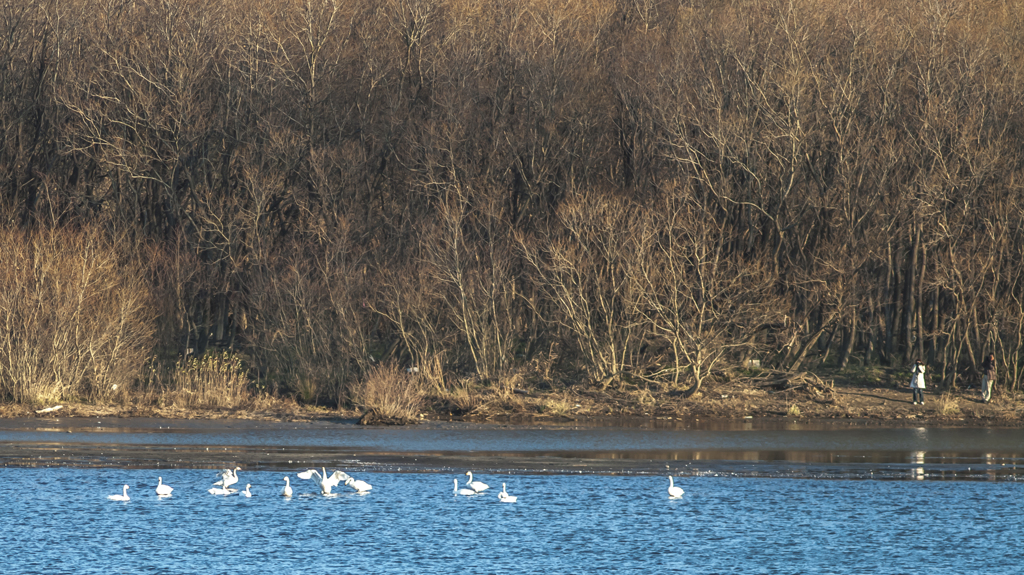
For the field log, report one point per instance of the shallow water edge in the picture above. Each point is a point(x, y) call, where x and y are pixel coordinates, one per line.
point(737, 448)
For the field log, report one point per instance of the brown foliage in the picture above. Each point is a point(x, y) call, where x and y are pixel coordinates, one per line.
point(77, 317)
point(652, 189)
point(390, 393)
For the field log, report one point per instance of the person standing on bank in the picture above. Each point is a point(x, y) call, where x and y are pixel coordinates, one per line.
point(988, 377)
point(917, 382)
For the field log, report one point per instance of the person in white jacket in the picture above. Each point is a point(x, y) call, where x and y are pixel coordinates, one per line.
point(917, 382)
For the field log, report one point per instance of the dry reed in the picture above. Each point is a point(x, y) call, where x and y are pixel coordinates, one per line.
point(390, 393)
point(215, 380)
point(949, 404)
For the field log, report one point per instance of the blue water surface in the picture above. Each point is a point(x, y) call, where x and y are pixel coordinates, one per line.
point(59, 520)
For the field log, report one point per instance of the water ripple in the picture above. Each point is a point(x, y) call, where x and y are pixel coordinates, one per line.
point(411, 523)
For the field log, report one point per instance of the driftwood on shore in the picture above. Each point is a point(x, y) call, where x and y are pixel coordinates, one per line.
point(372, 417)
point(822, 390)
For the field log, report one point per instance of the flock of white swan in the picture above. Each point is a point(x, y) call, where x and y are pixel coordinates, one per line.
point(326, 483)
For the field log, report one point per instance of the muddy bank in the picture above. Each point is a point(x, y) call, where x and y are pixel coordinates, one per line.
point(756, 447)
point(807, 401)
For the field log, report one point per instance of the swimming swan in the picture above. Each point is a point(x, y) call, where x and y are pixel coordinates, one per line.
point(358, 485)
point(505, 497)
point(325, 482)
point(161, 489)
point(287, 491)
point(477, 486)
point(122, 497)
point(673, 491)
point(228, 477)
point(464, 490)
point(221, 491)
point(246, 493)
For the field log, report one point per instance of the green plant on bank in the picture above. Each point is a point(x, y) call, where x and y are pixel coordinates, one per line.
point(793, 411)
point(389, 392)
point(211, 381)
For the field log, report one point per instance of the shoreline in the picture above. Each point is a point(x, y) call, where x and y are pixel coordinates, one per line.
point(738, 402)
point(818, 449)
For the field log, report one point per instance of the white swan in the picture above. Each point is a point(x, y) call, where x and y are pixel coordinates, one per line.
point(477, 486)
point(464, 490)
point(287, 491)
point(673, 491)
point(221, 491)
point(161, 489)
point(505, 497)
point(359, 485)
point(246, 493)
point(122, 497)
point(228, 477)
point(325, 482)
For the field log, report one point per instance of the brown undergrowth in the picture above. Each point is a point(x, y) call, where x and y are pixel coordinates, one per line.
point(389, 395)
point(517, 398)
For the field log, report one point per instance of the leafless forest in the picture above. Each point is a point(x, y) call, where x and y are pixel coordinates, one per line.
point(579, 191)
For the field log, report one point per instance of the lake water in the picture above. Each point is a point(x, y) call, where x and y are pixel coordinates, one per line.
point(773, 499)
point(58, 520)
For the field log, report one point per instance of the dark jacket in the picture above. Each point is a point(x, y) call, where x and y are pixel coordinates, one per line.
point(988, 367)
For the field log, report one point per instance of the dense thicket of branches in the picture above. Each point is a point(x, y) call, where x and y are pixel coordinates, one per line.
point(642, 187)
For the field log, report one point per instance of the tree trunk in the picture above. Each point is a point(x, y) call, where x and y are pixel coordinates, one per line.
point(933, 353)
point(806, 347)
point(849, 335)
point(919, 308)
point(887, 302)
point(909, 284)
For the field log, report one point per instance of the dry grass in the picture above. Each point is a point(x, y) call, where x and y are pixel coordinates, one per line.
point(949, 404)
point(216, 380)
point(390, 393)
point(307, 391)
point(558, 405)
point(459, 398)
point(432, 372)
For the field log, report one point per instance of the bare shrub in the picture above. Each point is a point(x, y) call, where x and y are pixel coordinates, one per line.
point(389, 393)
point(432, 371)
point(309, 328)
point(585, 272)
point(77, 317)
